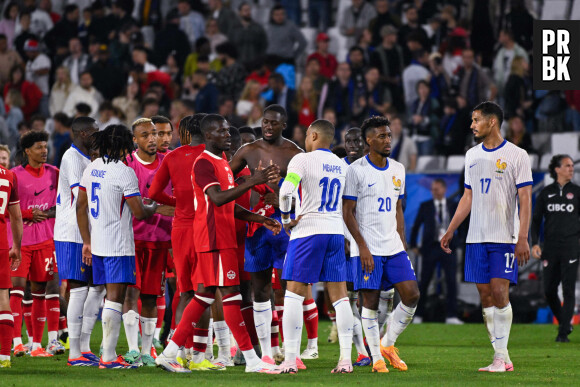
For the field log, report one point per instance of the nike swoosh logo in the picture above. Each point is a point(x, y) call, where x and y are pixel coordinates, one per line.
point(472, 165)
point(509, 271)
point(148, 185)
point(370, 185)
point(551, 196)
point(188, 154)
point(38, 193)
point(573, 260)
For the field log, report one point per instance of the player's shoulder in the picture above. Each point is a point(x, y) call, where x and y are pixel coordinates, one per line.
point(18, 169)
point(4, 172)
point(50, 168)
point(396, 166)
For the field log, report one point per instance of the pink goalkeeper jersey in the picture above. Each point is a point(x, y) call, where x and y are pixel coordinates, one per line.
point(37, 189)
point(158, 227)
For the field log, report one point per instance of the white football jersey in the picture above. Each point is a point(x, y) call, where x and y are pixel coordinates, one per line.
point(319, 178)
point(107, 186)
point(347, 235)
point(376, 192)
point(72, 166)
point(494, 176)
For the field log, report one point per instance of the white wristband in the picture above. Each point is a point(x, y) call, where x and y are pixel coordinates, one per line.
point(286, 220)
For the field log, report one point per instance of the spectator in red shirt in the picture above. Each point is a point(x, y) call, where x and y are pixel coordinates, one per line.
point(30, 92)
point(328, 63)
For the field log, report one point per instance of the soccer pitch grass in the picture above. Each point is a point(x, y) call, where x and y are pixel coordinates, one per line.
point(437, 355)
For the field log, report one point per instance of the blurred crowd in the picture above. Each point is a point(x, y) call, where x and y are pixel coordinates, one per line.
point(422, 63)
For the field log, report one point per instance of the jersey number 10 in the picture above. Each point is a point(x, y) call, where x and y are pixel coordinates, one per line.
point(330, 192)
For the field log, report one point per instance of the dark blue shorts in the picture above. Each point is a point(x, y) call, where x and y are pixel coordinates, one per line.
point(484, 261)
point(350, 269)
point(114, 270)
point(69, 259)
point(388, 271)
point(265, 250)
point(315, 258)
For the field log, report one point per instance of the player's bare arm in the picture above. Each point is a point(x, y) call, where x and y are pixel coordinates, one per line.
point(16, 227)
point(348, 214)
point(243, 214)
point(83, 222)
point(401, 223)
point(51, 212)
point(537, 217)
point(141, 211)
point(219, 197)
point(522, 250)
point(463, 209)
point(238, 162)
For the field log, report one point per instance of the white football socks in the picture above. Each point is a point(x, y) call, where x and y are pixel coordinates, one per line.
point(402, 316)
point(502, 325)
point(222, 334)
point(357, 333)
point(112, 316)
point(488, 321)
point(371, 327)
point(74, 315)
point(263, 322)
point(344, 324)
point(147, 331)
point(385, 307)
point(131, 323)
point(292, 325)
point(90, 314)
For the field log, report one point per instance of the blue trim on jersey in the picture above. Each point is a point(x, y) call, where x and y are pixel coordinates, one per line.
point(349, 197)
point(401, 196)
point(324, 149)
point(346, 160)
point(285, 213)
point(75, 185)
point(78, 150)
point(494, 149)
point(374, 166)
point(130, 196)
point(280, 183)
point(466, 185)
point(524, 184)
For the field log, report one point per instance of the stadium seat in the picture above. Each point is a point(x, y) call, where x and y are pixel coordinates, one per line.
point(430, 163)
point(455, 163)
point(534, 159)
point(564, 143)
point(338, 44)
point(310, 36)
point(554, 10)
point(541, 142)
point(545, 162)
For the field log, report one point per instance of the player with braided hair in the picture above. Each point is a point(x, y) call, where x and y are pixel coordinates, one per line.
point(108, 197)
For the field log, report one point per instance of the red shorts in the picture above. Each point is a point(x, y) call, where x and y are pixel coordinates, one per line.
point(184, 257)
point(38, 262)
point(5, 281)
point(241, 252)
point(170, 267)
point(276, 279)
point(217, 268)
point(150, 262)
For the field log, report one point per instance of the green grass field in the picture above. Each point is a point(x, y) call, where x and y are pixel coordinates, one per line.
point(436, 354)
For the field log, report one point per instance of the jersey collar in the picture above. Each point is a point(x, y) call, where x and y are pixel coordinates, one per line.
point(494, 149)
point(324, 149)
point(375, 167)
point(78, 150)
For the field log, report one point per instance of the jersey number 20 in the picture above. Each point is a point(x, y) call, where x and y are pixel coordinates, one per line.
point(330, 192)
point(95, 199)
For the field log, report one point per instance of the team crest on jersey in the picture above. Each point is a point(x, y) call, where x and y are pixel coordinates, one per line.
point(366, 277)
point(230, 178)
point(501, 166)
point(397, 183)
point(570, 195)
point(231, 274)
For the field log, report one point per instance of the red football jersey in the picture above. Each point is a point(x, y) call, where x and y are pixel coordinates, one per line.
point(176, 166)
point(8, 196)
point(214, 227)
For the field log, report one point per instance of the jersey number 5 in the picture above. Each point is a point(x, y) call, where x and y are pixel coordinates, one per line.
point(95, 199)
point(3, 196)
point(330, 192)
